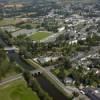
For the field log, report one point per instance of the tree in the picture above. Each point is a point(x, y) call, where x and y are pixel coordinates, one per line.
point(1, 46)
point(75, 94)
point(41, 93)
point(67, 63)
point(61, 74)
point(2, 55)
point(27, 76)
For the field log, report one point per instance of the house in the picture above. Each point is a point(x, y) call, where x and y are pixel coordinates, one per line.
point(43, 60)
point(68, 80)
point(61, 29)
point(73, 42)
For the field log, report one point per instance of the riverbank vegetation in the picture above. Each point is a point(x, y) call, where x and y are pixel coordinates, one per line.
point(32, 82)
point(7, 67)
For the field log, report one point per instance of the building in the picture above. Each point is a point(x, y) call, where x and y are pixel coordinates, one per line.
point(43, 60)
point(73, 42)
point(61, 29)
point(68, 80)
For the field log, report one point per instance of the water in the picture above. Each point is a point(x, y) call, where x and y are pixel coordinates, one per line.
point(14, 56)
point(48, 87)
point(45, 84)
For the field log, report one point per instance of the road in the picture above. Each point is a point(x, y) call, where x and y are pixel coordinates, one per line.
point(11, 48)
point(19, 76)
point(52, 77)
point(47, 73)
point(11, 79)
point(67, 90)
point(38, 70)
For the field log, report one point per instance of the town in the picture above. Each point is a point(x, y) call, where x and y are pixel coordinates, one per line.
point(50, 50)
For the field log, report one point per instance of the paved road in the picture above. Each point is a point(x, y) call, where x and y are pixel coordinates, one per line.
point(11, 79)
point(11, 48)
point(68, 90)
point(19, 76)
point(52, 77)
point(48, 68)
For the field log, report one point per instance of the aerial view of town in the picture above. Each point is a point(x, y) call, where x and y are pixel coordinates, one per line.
point(49, 49)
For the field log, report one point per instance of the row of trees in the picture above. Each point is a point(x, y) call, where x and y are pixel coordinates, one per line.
point(6, 36)
point(6, 67)
point(32, 82)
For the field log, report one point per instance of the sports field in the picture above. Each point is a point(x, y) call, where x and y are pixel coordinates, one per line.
point(17, 90)
point(39, 36)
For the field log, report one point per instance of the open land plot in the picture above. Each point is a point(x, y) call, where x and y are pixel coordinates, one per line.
point(7, 21)
point(40, 35)
point(18, 90)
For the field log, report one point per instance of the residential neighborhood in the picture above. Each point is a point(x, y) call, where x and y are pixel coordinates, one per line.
point(50, 49)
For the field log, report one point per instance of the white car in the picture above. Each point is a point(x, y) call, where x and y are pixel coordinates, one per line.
point(82, 92)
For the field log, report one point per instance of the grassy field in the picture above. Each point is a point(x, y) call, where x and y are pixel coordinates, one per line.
point(8, 21)
point(17, 90)
point(39, 36)
point(10, 69)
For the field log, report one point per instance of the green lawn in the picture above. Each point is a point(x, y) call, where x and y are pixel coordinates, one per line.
point(17, 90)
point(39, 36)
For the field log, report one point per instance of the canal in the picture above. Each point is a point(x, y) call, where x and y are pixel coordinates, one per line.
point(45, 84)
point(50, 88)
point(14, 56)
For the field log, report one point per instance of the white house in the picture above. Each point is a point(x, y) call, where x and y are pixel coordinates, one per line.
point(61, 29)
point(73, 42)
point(68, 80)
point(45, 59)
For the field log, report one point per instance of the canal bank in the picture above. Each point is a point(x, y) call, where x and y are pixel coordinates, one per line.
point(14, 56)
point(45, 84)
point(50, 89)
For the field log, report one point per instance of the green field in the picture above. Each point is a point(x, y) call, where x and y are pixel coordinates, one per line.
point(17, 90)
point(39, 36)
